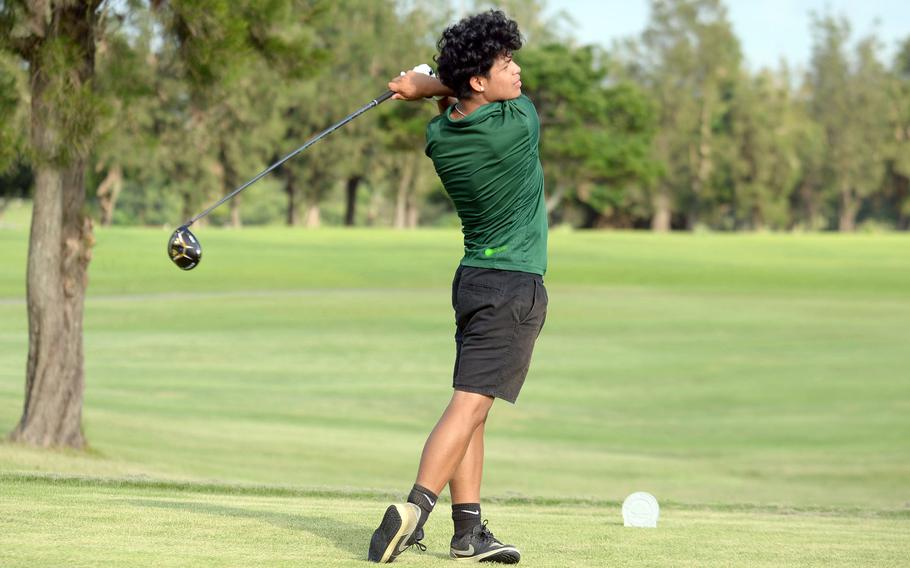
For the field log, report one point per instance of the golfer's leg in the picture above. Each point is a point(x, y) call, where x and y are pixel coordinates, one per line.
point(402, 524)
point(465, 483)
point(448, 442)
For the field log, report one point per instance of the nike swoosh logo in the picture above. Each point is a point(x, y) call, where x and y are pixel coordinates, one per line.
point(430, 501)
point(469, 512)
point(469, 551)
point(403, 545)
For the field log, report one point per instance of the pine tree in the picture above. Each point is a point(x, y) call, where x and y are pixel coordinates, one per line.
point(849, 102)
point(57, 41)
point(687, 60)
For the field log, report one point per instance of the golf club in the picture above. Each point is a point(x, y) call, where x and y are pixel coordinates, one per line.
point(184, 248)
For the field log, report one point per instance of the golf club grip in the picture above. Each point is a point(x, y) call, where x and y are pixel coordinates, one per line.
point(384, 97)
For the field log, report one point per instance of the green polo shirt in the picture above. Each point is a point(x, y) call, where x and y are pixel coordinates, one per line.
point(489, 164)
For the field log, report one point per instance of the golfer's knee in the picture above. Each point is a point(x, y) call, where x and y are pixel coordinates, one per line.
point(480, 415)
point(475, 406)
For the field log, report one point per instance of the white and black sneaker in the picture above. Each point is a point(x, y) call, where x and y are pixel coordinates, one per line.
point(394, 534)
point(481, 546)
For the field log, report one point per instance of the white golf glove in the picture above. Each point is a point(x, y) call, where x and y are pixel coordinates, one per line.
point(423, 69)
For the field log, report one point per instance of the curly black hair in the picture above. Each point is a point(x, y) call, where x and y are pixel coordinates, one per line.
point(468, 48)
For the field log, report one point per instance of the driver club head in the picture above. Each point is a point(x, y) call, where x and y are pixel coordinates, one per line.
point(184, 249)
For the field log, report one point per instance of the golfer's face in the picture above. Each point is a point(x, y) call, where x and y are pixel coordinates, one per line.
point(505, 79)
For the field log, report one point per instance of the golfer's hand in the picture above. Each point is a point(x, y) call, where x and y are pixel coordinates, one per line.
point(414, 86)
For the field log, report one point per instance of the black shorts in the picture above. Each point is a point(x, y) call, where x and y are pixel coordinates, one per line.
point(498, 316)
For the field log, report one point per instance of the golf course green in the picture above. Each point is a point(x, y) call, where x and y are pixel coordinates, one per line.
point(264, 408)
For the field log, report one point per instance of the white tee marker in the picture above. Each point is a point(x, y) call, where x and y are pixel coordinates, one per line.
point(640, 510)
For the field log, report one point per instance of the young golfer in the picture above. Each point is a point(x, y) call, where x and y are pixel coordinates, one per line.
point(484, 146)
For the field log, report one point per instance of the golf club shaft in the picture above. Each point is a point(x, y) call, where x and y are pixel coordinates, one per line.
point(375, 102)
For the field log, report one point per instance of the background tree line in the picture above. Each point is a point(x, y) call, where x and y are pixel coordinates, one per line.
point(668, 130)
point(144, 111)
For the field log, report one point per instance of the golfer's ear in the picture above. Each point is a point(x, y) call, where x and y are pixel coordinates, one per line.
point(476, 83)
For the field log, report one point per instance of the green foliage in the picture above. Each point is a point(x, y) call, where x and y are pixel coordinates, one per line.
point(15, 173)
point(69, 110)
point(211, 36)
point(126, 79)
point(283, 33)
point(855, 142)
point(596, 139)
point(220, 75)
point(383, 149)
point(688, 60)
point(12, 122)
point(898, 183)
point(218, 39)
point(13, 27)
point(191, 98)
point(766, 131)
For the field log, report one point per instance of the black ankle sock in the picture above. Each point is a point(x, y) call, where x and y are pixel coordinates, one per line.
point(423, 498)
point(466, 516)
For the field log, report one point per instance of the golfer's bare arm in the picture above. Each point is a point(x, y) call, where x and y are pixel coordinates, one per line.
point(413, 86)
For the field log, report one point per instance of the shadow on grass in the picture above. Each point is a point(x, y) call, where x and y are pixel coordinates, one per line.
point(349, 538)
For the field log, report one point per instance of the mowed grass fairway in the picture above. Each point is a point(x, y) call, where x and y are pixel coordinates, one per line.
point(264, 408)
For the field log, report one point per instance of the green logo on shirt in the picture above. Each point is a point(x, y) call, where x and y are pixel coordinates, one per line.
point(497, 250)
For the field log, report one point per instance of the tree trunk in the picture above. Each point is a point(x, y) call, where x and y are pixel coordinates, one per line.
point(235, 212)
point(228, 184)
point(59, 252)
point(312, 220)
point(702, 164)
point(849, 207)
point(290, 188)
point(186, 206)
point(902, 203)
point(351, 200)
point(583, 197)
point(592, 216)
point(401, 197)
point(758, 219)
point(374, 207)
point(602, 221)
point(555, 199)
point(413, 216)
point(660, 222)
point(108, 192)
point(61, 238)
point(808, 197)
